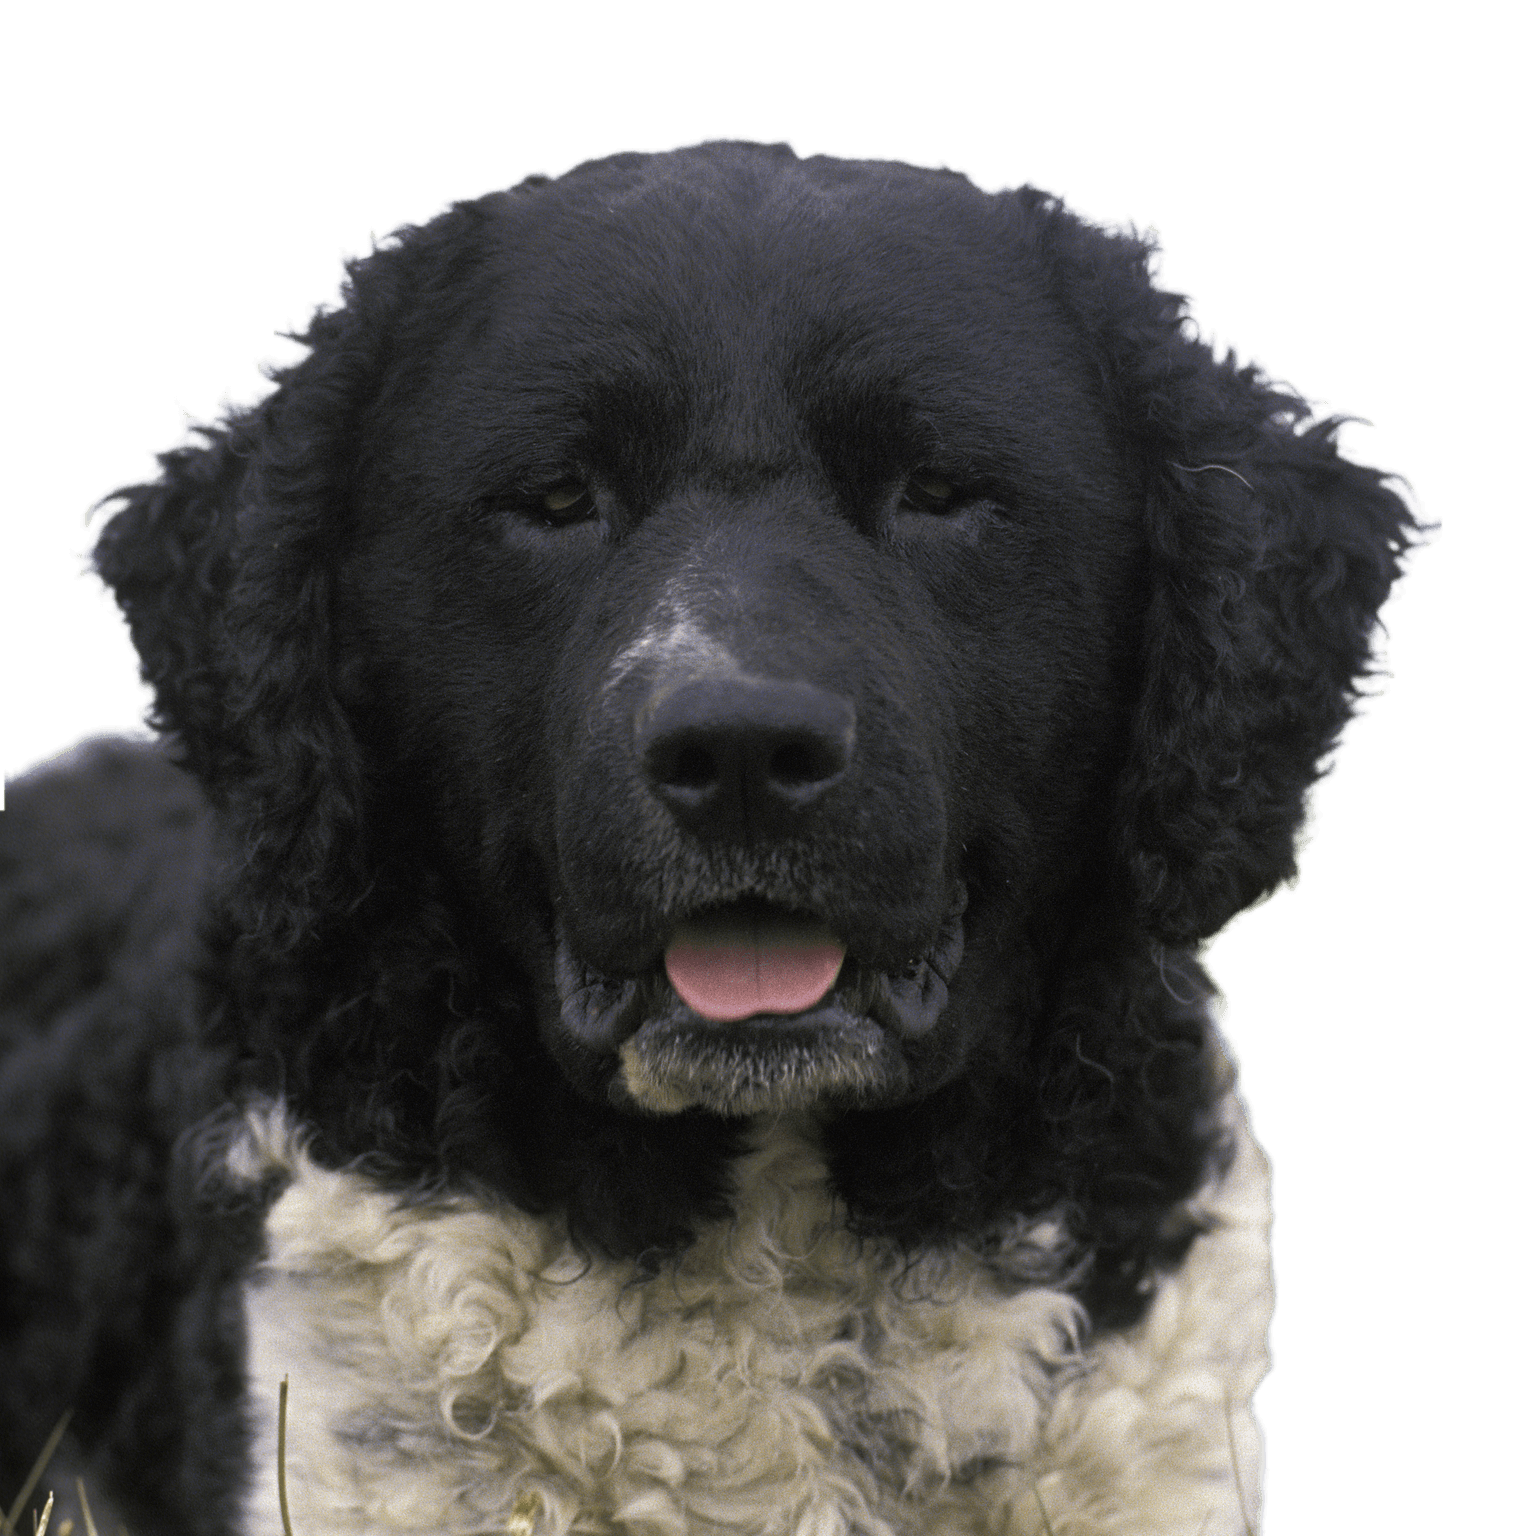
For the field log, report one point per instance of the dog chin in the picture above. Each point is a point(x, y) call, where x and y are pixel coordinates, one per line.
point(764, 1065)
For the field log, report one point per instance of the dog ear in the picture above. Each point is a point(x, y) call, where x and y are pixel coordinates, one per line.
point(1267, 572)
point(1269, 557)
point(224, 567)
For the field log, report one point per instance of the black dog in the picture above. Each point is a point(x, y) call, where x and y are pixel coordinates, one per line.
point(710, 712)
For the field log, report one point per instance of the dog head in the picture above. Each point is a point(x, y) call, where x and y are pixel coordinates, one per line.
point(783, 606)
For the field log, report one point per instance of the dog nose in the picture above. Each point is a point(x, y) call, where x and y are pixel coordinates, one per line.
point(739, 755)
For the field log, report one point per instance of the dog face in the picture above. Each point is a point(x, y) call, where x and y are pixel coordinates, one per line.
point(662, 582)
point(759, 634)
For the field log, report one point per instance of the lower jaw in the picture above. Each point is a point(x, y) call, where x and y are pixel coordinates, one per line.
point(847, 1050)
point(826, 1057)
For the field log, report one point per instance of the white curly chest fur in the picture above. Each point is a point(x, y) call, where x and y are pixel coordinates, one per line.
point(454, 1368)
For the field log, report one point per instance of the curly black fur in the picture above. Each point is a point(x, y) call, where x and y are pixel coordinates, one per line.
point(342, 896)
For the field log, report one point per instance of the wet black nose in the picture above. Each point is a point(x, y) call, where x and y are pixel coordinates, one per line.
point(734, 756)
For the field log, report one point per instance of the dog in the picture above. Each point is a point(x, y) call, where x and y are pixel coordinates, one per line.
point(650, 984)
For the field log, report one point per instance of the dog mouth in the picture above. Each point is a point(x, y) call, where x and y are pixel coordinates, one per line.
point(753, 1007)
point(741, 961)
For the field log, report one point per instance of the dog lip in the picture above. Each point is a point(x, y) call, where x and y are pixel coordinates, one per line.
point(601, 1010)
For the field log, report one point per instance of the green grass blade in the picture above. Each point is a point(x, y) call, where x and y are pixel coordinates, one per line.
point(85, 1508)
point(35, 1476)
point(282, 1456)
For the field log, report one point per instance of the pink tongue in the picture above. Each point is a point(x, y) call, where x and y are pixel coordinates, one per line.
point(731, 965)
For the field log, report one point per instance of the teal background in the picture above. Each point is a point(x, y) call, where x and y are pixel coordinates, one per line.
point(1338, 186)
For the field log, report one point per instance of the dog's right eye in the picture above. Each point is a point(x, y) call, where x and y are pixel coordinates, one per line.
point(926, 492)
point(570, 502)
point(563, 505)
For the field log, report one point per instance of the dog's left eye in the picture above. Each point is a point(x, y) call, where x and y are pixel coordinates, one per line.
point(925, 492)
point(569, 502)
point(563, 505)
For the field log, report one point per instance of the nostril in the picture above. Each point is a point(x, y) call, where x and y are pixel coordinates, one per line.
point(800, 764)
point(692, 766)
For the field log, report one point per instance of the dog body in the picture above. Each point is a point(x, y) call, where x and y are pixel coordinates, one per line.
point(713, 706)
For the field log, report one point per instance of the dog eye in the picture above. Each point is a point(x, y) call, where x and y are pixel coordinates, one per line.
point(565, 504)
point(569, 502)
point(927, 493)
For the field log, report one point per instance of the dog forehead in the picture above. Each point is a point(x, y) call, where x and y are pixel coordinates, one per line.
point(724, 300)
point(736, 312)
point(727, 189)
point(738, 243)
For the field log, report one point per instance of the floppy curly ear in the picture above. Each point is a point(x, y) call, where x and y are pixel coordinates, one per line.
point(1269, 558)
point(224, 568)
point(1268, 568)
